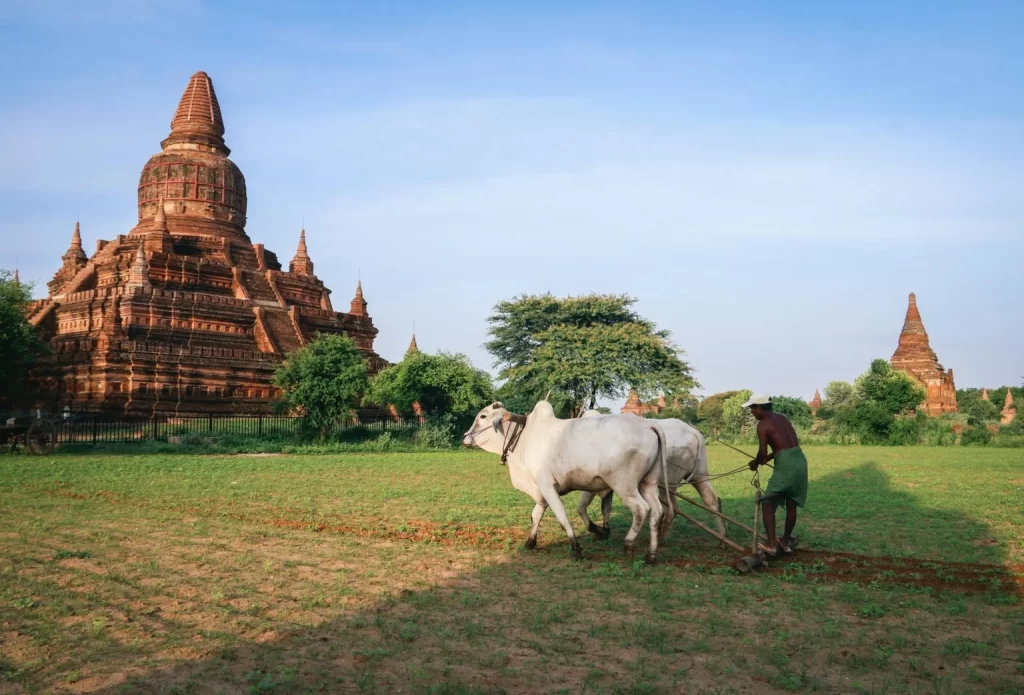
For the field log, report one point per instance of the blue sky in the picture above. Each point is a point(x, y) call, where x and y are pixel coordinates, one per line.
point(769, 179)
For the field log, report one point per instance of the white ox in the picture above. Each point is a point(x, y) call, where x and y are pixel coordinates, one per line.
point(687, 458)
point(548, 458)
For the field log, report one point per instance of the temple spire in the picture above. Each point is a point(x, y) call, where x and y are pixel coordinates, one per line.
point(138, 272)
point(413, 347)
point(912, 324)
point(984, 394)
point(301, 264)
point(197, 120)
point(358, 302)
point(17, 281)
point(75, 253)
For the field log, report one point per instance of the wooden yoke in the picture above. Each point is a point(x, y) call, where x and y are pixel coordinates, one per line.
point(515, 419)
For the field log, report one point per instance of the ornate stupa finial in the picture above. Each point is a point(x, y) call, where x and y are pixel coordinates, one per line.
point(197, 120)
point(302, 264)
point(358, 302)
point(413, 347)
point(75, 253)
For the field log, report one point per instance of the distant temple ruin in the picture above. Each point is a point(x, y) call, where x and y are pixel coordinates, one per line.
point(914, 356)
point(184, 314)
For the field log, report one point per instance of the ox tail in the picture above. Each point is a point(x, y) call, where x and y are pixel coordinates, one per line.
point(663, 461)
point(701, 464)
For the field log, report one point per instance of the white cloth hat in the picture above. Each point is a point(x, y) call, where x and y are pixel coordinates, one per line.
point(758, 399)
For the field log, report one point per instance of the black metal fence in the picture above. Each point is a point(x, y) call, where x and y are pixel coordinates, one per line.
point(99, 429)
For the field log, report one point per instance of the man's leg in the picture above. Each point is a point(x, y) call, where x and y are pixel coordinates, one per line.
point(768, 512)
point(790, 521)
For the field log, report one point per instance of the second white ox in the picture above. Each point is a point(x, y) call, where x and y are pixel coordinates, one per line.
point(687, 458)
point(548, 458)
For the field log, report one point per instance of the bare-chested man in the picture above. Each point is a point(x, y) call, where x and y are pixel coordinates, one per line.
point(789, 480)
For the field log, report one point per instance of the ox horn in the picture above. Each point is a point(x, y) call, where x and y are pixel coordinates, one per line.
point(546, 397)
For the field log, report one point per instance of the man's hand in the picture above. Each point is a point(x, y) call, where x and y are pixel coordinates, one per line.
point(753, 464)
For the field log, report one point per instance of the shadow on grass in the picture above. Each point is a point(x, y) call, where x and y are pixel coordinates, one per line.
point(547, 624)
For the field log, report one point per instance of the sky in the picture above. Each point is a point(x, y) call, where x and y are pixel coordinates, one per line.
point(769, 180)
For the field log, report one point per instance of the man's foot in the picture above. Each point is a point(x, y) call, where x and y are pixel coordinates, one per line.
point(769, 550)
point(788, 545)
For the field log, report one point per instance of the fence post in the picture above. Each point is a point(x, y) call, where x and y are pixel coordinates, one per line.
point(259, 426)
point(210, 427)
point(95, 428)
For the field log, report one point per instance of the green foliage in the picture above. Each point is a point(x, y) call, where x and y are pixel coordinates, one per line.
point(709, 411)
point(323, 382)
point(687, 413)
point(907, 430)
point(582, 349)
point(737, 422)
point(838, 395)
point(980, 412)
point(891, 389)
point(19, 343)
point(796, 409)
point(976, 435)
point(442, 383)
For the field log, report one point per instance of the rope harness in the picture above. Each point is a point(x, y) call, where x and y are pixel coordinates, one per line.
point(512, 435)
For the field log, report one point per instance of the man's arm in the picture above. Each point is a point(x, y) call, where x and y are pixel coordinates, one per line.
point(762, 446)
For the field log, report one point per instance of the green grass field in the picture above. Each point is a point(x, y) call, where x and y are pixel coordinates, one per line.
point(404, 573)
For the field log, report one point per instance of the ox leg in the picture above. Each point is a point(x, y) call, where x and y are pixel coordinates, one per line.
point(668, 505)
point(537, 515)
point(558, 509)
point(585, 499)
point(711, 501)
point(650, 495)
point(606, 513)
point(640, 509)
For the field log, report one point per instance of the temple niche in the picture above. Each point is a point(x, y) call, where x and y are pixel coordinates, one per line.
point(915, 356)
point(184, 314)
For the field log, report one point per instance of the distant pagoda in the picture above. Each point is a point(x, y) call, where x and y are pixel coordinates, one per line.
point(915, 356)
point(184, 314)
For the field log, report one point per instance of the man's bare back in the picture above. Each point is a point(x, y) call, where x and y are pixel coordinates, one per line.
point(777, 431)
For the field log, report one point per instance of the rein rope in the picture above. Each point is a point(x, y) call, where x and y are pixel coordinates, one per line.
point(512, 435)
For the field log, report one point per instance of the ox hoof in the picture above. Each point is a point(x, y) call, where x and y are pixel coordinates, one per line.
point(577, 550)
point(602, 532)
point(651, 559)
point(629, 553)
point(530, 543)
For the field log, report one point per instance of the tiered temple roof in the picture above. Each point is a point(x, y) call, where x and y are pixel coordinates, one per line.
point(184, 314)
point(915, 356)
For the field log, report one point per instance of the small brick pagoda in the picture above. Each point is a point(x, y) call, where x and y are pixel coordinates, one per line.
point(815, 403)
point(637, 407)
point(184, 314)
point(914, 356)
point(1008, 413)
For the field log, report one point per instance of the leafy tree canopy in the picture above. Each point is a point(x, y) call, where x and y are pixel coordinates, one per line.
point(890, 389)
point(710, 410)
point(19, 343)
point(582, 349)
point(442, 383)
point(839, 394)
point(796, 409)
point(323, 381)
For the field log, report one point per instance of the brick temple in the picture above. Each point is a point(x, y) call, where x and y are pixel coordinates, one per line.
point(184, 314)
point(915, 356)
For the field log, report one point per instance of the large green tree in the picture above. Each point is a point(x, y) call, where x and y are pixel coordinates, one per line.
point(796, 409)
point(442, 383)
point(323, 382)
point(19, 343)
point(709, 411)
point(582, 349)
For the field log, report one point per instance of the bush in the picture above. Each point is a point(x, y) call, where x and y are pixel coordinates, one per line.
point(976, 436)
point(906, 431)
